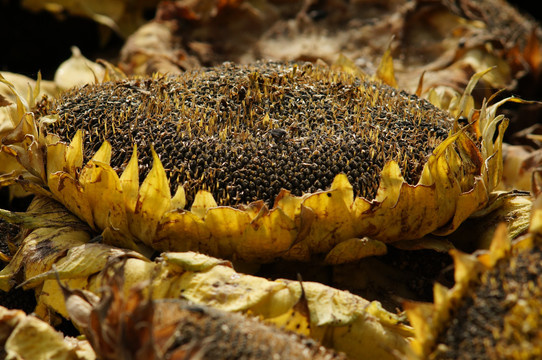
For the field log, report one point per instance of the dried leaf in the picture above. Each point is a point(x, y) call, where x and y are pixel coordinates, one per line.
point(132, 326)
point(26, 337)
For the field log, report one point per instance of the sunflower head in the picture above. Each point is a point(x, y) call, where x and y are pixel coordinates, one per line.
point(268, 160)
point(494, 307)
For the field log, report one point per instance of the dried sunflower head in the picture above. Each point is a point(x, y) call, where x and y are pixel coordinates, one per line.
point(493, 310)
point(264, 161)
point(179, 329)
point(18, 94)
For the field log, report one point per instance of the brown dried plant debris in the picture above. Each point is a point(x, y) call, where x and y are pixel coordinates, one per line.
point(521, 157)
point(436, 45)
point(121, 16)
point(132, 326)
point(447, 39)
point(8, 233)
point(519, 163)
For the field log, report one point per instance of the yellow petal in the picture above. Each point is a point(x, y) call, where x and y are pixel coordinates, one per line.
point(130, 182)
point(333, 215)
point(104, 153)
point(419, 315)
point(56, 160)
point(182, 231)
point(107, 207)
point(81, 261)
point(71, 193)
point(236, 293)
point(153, 201)
point(290, 205)
point(52, 296)
point(74, 154)
point(391, 181)
point(39, 251)
point(296, 319)
point(355, 249)
point(500, 247)
point(178, 201)
point(347, 65)
point(227, 227)
point(268, 236)
point(203, 201)
point(31, 338)
point(192, 261)
point(385, 71)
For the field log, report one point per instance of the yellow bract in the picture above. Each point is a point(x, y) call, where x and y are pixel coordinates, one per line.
point(27, 337)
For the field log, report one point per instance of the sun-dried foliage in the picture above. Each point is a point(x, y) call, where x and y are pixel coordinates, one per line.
point(448, 40)
point(131, 325)
point(519, 163)
point(336, 318)
point(510, 207)
point(522, 157)
point(18, 94)
point(431, 48)
point(27, 337)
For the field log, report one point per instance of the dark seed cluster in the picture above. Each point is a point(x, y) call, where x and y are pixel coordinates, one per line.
point(8, 232)
point(219, 335)
point(502, 318)
point(246, 132)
